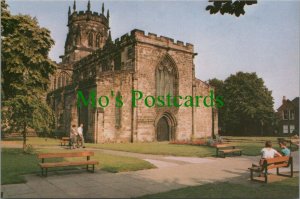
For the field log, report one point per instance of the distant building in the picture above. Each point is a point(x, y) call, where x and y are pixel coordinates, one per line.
point(288, 114)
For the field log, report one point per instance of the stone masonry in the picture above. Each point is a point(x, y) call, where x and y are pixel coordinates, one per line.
point(155, 65)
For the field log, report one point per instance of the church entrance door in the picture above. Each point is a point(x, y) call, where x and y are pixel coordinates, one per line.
point(163, 130)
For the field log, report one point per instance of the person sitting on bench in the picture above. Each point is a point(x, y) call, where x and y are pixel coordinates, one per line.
point(267, 153)
point(284, 150)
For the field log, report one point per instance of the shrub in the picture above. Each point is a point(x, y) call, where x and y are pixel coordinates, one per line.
point(52, 134)
point(210, 142)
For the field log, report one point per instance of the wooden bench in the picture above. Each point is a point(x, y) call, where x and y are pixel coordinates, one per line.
point(278, 162)
point(45, 165)
point(226, 149)
point(64, 141)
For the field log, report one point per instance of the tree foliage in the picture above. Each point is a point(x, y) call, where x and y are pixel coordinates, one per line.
point(26, 70)
point(248, 103)
point(229, 7)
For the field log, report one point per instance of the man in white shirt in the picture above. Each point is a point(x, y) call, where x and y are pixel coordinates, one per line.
point(80, 136)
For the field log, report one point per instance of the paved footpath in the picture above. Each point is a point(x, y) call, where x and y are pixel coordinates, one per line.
point(172, 173)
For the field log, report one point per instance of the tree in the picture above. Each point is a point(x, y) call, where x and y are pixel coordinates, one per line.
point(218, 88)
point(234, 8)
point(26, 70)
point(248, 105)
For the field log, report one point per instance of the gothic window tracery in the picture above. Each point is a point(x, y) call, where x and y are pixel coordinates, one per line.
point(166, 78)
point(98, 39)
point(63, 79)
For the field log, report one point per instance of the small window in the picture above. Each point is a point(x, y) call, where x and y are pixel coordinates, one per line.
point(118, 113)
point(292, 128)
point(285, 115)
point(98, 40)
point(292, 114)
point(130, 53)
point(117, 62)
point(90, 39)
point(285, 129)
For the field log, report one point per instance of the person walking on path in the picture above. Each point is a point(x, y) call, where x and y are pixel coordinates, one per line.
point(73, 136)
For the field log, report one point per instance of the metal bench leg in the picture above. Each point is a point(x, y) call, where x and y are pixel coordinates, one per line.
point(291, 169)
point(251, 174)
point(266, 176)
point(42, 171)
point(46, 172)
point(93, 168)
point(277, 171)
point(87, 167)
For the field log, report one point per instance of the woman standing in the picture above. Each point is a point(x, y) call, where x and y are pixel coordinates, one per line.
point(73, 136)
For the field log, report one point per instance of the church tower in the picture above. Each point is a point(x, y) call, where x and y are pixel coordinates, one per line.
point(88, 31)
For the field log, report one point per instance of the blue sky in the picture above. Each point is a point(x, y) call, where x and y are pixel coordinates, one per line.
point(265, 40)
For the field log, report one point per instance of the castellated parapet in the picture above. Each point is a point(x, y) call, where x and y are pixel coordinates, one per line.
point(151, 38)
point(88, 16)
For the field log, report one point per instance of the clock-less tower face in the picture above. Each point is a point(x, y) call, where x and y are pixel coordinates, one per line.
point(88, 31)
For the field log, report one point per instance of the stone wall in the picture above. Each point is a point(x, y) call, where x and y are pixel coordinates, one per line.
point(139, 56)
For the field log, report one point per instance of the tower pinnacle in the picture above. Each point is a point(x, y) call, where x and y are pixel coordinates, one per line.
point(89, 6)
point(102, 8)
point(74, 6)
point(107, 16)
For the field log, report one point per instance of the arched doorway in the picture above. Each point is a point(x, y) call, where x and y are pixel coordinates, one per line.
point(163, 130)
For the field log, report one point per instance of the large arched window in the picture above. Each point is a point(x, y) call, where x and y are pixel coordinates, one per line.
point(90, 39)
point(166, 77)
point(63, 79)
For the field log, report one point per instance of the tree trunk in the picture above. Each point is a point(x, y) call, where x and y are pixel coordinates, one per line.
point(24, 139)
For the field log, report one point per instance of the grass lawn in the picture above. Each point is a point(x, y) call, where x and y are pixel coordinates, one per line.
point(288, 188)
point(250, 145)
point(159, 148)
point(15, 163)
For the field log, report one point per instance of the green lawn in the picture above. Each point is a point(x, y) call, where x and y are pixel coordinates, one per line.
point(250, 145)
point(288, 188)
point(159, 148)
point(15, 163)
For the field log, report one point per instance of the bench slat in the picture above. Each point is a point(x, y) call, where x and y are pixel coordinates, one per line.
point(278, 159)
point(278, 165)
point(230, 150)
point(65, 155)
point(223, 145)
point(63, 164)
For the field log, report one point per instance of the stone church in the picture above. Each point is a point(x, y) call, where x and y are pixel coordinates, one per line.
point(152, 64)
